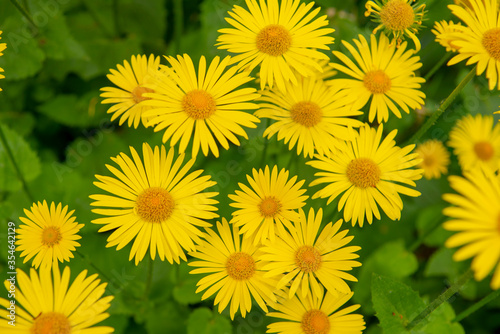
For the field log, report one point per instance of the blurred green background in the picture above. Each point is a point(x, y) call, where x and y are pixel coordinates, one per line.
point(61, 137)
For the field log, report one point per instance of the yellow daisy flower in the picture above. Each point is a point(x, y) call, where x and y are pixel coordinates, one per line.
point(397, 17)
point(271, 199)
point(369, 173)
point(384, 74)
point(303, 258)
point(3, 46)
point(446, 34)
point(131, 80)
point(310, 115)
point(202, 106)
point(49, 234)
point(480, 39)
point(234, 271)
point(156, 202)
point(435, 158)
point(475, 214)
point(476, 142)
point(316, 314)
point(279, 38)
point(47, 303)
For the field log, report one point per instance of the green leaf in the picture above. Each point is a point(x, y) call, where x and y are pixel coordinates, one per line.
point(23, 58)
point(25, 158)
point(205, 321)
point(391, 259)
point(395, 303)
point(58, 42)
point(185, 290)
point(427, 220)
point(169, 318)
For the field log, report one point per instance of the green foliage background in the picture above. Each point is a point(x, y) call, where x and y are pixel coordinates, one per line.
point(61, 137)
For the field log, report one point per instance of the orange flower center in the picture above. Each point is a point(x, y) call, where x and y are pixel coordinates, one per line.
point(274, 40)
point(315, 322)
point(270, 206)
point(306, 113)
point(429, 160)
point(363, 172)
point(308, 259)
point(199, 104)
point(377, 82)
point(51, 323)
point(484, 150)
point(397, 15)
point(138, 91)
point(240, 266)
point(491, 42)
point(155, 205)
point(51, 236)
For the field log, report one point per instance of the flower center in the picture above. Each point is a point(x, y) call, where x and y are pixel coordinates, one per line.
point(51, 323)
point(315, 322)
point(397, 15)
point(308, 259)
point(484, 150)
point(274, 40)
point(306, 113)
point(198, 104)
point(491, 42)
point(138, 91)
point(51, 236)
point(240, 266)
point(155, 205)
point(363, 172)
point(270, 206)
point(429, 160)
point(377, 82)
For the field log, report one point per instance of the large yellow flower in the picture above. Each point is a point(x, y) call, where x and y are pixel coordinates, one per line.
point(279, 38)
point(316, 314)
point(204, 108)
point(155, 201)
point(385, 74)
point(397, 17)
point(131, 80)
point(47, 303)
point(370, 172)
point(2, 47)
point(272, 199)
point(435, 158)
point(479, 41)
point(305, 258)
point(49, 235)
point(475, 216)
point(476, 142)
point(309, 114)
point(234, 271)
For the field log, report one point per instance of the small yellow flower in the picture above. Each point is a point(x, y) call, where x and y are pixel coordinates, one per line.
point(397, 17)
point(49, 234)
point(446, 34)
point(476, 142)
point(2, 47)
point(234, 270)
point(435, 158)
point(46, 303)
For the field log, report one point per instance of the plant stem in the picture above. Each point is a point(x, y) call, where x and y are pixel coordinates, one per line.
point(179, 23)
point(436, 66)
point(115, 18)
point(24, 12)
point(446, 103)
point(16, 167)
point(464, 314)
point(149, 279)
point(86, 258)
point(454, 288)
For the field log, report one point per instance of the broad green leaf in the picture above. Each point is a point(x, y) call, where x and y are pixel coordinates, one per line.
point(26, 160)
point(390, 259)
point(185, 290)
point(57, 41)
point(169, 318)
point(148, 19)
point(205, 321)
point(395, 303)
point(429, 224)
point(23, 57)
